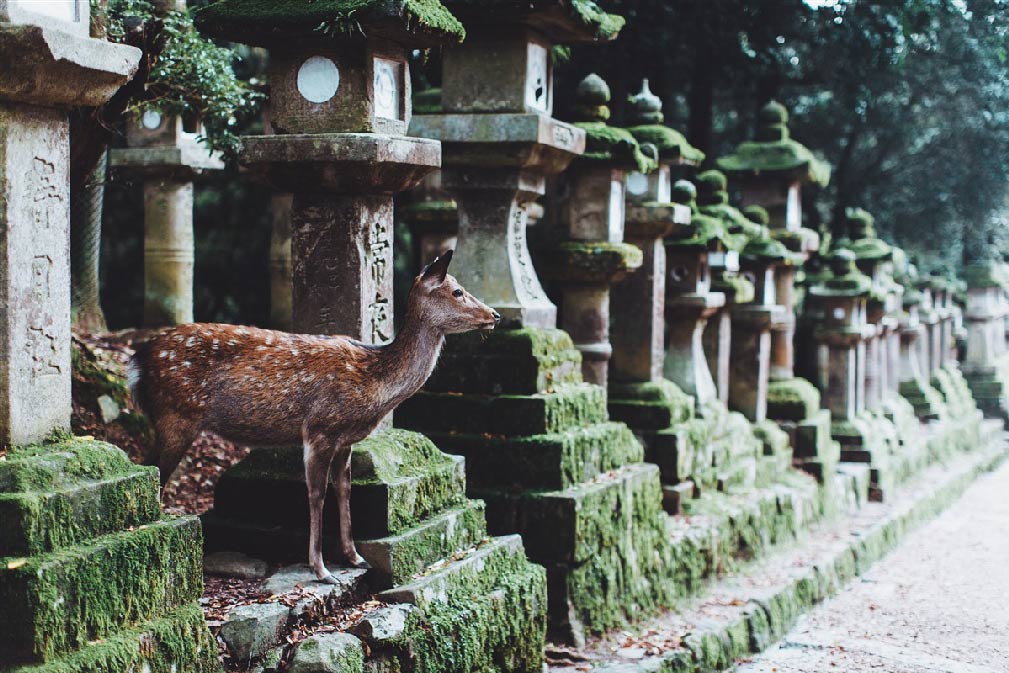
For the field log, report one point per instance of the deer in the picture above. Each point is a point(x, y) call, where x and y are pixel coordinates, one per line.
point(261, 387)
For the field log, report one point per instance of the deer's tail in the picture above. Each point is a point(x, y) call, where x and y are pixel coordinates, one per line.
point(136, 379)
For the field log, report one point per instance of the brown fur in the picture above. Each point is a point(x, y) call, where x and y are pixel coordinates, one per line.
point(267, 388)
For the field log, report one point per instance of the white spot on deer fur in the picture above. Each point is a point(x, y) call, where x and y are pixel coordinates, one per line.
point(269, 340)
point(171, 356)
point(350, 367)
point(190, 341)
point(232, 342)
point(187, 363)
point(241, 331)
point(260, 348)
point(163, 354)
point(294, 351)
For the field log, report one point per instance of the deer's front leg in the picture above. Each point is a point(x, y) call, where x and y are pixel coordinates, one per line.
point(342, 483)
point(318, 458)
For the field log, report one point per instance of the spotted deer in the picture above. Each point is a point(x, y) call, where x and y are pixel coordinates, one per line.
point(266, 388)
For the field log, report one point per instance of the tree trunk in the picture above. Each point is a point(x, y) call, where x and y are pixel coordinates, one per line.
point(87, 194)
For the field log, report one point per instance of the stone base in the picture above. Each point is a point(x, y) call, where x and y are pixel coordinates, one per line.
point(649, 407)
point(869, 439)
point(927, 401)
point(93, 578)
point(792, 400)
point(990, 388)
point(542, 453)
point(411, 519)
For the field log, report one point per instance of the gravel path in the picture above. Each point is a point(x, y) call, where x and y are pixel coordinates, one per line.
point(937, 603)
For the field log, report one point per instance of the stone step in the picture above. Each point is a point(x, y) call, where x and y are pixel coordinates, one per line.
point(650, 407)
point(50, 467)
point(175, 642)
point(574, 524)
point(58, 602)
point(549, 461)
point(474, 572)
point(685, 452)
point(507, 361)
point(564, 408)
point(485, 611)
point(38, 521)
point(398, 558)
point(399, 478)
point(742, 613)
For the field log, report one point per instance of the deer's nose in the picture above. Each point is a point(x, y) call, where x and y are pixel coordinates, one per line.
point(497, 317)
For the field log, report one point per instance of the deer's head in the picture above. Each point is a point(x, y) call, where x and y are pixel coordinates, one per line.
point(440, 301)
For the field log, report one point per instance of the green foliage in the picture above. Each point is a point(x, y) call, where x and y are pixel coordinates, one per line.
point(191, 76)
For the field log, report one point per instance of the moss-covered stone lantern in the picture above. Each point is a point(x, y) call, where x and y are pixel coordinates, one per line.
point(913, 384)
point(839, 303)
point(590, 211)
point(168, 157)
point(539, 446)
point(639, 394)
point(770, 171)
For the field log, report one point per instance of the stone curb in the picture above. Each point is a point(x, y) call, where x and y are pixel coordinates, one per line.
point(766, 617)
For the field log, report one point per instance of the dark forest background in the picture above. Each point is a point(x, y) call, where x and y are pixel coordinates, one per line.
point(907, 99)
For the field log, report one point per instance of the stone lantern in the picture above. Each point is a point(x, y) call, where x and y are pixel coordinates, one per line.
point(770, 171)
point(751, 326)
point(639, 394)
point(590, 212)
point(986, 366)
point(539, 446)
point(713, 201)
point(913, 384)
point(839, 304)
point(168, 158)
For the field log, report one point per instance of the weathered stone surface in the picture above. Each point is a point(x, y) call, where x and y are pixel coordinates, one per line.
point(250, 630)
point(54, 68)
point(328, 653)
point(234, 564)
point(386, 623)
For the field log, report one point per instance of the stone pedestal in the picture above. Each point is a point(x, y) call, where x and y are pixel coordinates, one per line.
point(168, 158)
point(913, 385)
point(281, 272)
point(718, 333)
point(433, 218)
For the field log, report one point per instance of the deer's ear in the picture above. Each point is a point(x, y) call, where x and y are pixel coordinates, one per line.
point(437, 269)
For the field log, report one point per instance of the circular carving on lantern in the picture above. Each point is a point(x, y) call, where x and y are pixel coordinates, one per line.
point(318, 79)
point(151, 119)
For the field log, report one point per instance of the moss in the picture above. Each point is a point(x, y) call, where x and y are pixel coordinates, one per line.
point(770, 249)
point(612, 145)
point(176, 641)
point(781, 156)
point(980, 275)
point(671, 144)
point(792, 400)
point(45, 467)
point(592, 261)
point(259, 21)
point(737, 289)
point(870, 249)
point(62, 600)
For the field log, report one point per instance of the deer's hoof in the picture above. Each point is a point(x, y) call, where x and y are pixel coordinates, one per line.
point(357, 561)
point(329, 579)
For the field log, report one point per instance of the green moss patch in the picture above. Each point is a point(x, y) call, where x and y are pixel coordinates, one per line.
point(782, 156)
point(591, 261)
point(672, 144)
point(792, 400)
point(613, 145)
point(61, 601)
point(263, 21)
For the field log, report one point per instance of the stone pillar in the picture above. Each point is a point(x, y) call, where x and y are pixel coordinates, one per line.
point(168, 158)
point(593, 255)
point(538, 445)
point(45, 71)
point(280, 262)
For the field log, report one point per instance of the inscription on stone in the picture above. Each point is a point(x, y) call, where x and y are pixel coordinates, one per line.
point(41, 347)
point(46, 191)
point(41, 270)
point(379, 309)
point(537, 77)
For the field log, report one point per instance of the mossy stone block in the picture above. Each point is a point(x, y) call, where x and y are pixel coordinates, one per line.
point(518, 362)
point(563, 408)
point(543, 462)
point(173, 642)
point(60, 601)
point(396, 559)
point(792, 400)
point(577, 523)
point(35, 522)
point(398, 479)
point(650, 406)
point(52, 466)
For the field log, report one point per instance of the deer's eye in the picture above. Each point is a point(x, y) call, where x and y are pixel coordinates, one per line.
point(456, 293)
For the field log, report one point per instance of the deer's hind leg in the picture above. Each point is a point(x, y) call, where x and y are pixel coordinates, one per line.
point(341, 480)
point(174, 436)
point(319, 452)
